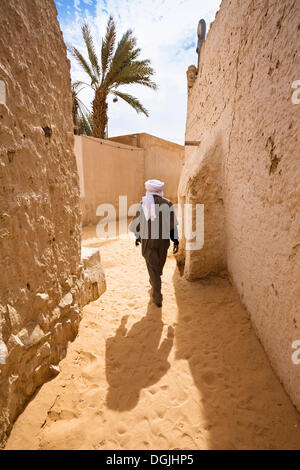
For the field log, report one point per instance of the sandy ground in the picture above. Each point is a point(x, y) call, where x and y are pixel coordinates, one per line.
point(191, 375)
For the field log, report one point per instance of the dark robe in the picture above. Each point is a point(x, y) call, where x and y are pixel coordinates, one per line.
point(155, 237)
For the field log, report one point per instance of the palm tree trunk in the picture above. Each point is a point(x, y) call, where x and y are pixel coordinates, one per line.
point(99, 114)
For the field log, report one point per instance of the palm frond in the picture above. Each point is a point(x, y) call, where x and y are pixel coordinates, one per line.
point(121, 58)
point(77, 84)
point(132, 101)
point(135, 72)
point(82, 107)
point(81, 61)
point(108, 45)
point(88, 39)
point(79, 108)
point(86, 124)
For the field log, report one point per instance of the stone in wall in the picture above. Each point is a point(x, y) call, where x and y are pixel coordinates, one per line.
point(41, 273)
point(241, 109)
point(94, 283)
point(191, 75)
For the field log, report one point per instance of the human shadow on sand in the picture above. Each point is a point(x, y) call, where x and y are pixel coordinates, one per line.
point(136, 359)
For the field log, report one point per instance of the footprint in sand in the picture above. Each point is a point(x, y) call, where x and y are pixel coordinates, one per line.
point(187, 318)
point(87, 357)
point(161, 412)
point(122, 429)
point(187, 442)
point(209, 378)
point(61, 415)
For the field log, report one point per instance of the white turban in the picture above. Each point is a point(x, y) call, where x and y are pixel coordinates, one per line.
point(148, 204)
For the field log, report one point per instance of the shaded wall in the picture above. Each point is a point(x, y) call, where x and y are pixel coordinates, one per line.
point(163, 161)
point(108, 170)
point(39, 204)
point(119, 166)
point(240, 110)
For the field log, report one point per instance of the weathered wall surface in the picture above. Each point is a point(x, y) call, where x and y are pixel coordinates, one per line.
point(119, 166)
point(240, 109)
point(39, 204)
point(163, 161)
point(108, 170)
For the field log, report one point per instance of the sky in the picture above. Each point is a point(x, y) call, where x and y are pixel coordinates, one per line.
point(166, 31)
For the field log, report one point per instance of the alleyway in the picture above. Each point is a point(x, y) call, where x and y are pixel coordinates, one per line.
point(191, 375)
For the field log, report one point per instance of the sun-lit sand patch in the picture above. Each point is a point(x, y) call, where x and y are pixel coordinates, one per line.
point(191, 375)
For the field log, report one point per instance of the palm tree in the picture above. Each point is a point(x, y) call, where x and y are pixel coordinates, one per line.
point(119, 66)
point(80, 113)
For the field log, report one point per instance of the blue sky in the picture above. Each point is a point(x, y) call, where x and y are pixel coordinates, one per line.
point(166, 31)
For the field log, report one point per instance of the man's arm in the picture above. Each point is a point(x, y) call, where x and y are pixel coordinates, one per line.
point(174, 238)
point(174, 230)
point(135, 226)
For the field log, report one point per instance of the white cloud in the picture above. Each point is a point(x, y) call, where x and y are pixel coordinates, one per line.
point(166, 31)
point(77, 5)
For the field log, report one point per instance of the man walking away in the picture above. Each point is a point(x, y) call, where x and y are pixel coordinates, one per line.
point(154, 224)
